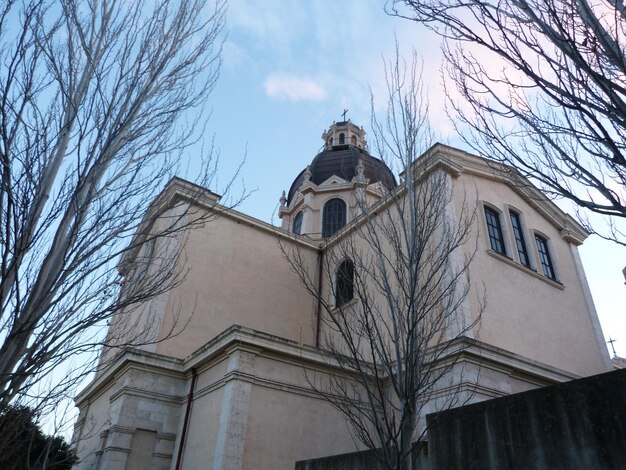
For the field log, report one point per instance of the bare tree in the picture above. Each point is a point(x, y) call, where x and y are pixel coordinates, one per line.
point(542, 86)
point(396, 285)
point(99, 100)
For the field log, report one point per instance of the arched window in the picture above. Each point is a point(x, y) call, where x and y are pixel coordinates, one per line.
point(353, 140)
point(331, 141)
point(297, 223)
point(342, 138)
point(344, 288)
point(334, 216)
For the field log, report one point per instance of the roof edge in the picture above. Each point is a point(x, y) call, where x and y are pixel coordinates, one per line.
point(179, 189)
point(571, 230)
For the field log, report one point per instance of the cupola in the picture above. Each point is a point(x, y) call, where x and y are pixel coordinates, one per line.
point(341, 160)
point(338, 180)
point(344, 133)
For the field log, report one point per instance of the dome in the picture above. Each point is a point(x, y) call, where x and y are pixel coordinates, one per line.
point(342, 160)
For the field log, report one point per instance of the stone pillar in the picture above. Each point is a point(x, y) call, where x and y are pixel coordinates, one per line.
point(116, 449)
point(591, 308)
point(233, 422)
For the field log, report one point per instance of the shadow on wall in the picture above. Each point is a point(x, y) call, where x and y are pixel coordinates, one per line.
point(364, 460)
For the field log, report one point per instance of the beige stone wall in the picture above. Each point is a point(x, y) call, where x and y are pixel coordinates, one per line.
point(138, 402)
point(284, 427)
point(92, 422)
point(202, 435)
point(528, 314)
point(139, 324)
point(253, 406)
point(254, 409)
point(236, 275)
point(362, 248)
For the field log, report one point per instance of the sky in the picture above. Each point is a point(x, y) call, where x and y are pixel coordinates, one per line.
point(291, 67)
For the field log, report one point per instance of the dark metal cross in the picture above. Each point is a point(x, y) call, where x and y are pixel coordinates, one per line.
point(345, 111)
point(611, 341)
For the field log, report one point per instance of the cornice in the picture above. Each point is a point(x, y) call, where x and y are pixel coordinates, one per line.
point(571, 231)
point(128, 359)
point(487, 355)
point(238, 338)
point(178, 189)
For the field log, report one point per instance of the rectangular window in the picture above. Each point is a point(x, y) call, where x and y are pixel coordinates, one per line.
point(520, 242)
point(494, 229)
point(544, 257)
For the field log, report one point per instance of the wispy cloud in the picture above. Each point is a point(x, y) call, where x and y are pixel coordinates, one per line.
point(292, 88)
point(327, 52)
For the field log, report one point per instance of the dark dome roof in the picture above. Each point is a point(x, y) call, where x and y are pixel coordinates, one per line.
point(342, 160)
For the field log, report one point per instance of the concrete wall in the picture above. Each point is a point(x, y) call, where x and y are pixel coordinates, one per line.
point(575, 425)
point(353, 461)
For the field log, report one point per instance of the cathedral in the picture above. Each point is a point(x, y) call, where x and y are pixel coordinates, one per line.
point(229, 390)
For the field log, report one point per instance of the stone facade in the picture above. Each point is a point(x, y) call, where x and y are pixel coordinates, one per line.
point(231, 390)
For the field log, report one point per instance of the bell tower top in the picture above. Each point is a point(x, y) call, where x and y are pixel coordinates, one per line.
point(344, 133)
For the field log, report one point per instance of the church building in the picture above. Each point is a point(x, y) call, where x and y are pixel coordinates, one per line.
point(229, 389)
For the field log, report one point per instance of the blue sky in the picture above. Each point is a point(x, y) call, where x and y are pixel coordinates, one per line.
point(292, 66)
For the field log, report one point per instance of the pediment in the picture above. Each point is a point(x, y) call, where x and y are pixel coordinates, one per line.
point(458, 161)
point(333, 181)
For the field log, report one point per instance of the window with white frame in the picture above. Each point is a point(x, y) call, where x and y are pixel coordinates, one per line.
point(520, 240)
point(545, 258)
point(494, 230)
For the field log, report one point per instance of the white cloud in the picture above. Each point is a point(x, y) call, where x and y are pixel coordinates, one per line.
point(292, 88)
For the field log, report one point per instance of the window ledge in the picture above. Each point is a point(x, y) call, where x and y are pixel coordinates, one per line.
point(525, 269)
point(344, 307)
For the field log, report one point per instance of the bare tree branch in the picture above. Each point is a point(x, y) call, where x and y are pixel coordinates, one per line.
point(542, 87)
point(406, 259)
point(99, 102)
